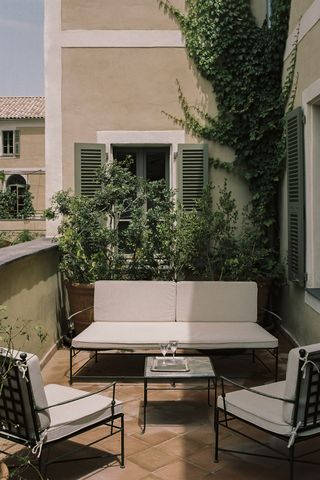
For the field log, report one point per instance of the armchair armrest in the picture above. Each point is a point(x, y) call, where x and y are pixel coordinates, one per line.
point(89, 394)
point(71, 317)
point(273, 314)
point(252, 390)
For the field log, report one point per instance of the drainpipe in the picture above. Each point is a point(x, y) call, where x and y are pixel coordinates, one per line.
point(269, 12)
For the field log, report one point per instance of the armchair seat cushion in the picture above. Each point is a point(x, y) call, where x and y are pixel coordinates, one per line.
point(202, 335)
point(262, 411)
point(71, 417)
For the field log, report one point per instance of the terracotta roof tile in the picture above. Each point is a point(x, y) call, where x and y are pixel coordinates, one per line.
point(22, 107)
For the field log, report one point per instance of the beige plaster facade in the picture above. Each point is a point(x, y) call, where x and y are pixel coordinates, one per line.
point(33, 300)
point(111, 71)
point(301, 306)
point(30, 162)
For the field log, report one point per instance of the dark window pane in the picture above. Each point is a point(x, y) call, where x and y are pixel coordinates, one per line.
point(7, 142)
point(155, 165)
point(123, 154)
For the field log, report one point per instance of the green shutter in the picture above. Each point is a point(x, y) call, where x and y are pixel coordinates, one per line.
point(88, 158)
point(296, 196)
point(17, 143)
point(192, 173)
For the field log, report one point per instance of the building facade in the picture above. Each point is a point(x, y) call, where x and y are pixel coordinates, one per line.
point(111, 72)
point(22, 162)
point(300, 236)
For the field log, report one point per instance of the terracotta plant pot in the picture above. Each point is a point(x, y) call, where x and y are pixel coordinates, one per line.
point(80, 296)
point(264, 288)
point(4, 471)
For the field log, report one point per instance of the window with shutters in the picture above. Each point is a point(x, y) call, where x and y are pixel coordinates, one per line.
point(311, 108)
point(296, 196)
point(10, 143)
point(192, 173)
point(88, 159)
point(150, 163)
point(18, 186)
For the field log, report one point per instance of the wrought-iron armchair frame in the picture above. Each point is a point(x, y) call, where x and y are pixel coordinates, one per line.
point(18, 414)
point(308, 386)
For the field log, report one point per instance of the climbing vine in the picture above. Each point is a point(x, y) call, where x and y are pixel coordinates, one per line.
point(243, 62)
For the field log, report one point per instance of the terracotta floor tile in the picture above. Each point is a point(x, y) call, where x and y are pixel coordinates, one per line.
point(180, 470)
point(181, 446)
point(152, 459)
point(178, 442)
point(204, 435)
point(204, 458)
point(155, 435)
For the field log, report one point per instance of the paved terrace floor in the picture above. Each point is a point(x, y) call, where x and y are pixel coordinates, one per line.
point(178, 442)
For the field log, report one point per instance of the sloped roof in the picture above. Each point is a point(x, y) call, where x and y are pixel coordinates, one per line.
point(21, 107)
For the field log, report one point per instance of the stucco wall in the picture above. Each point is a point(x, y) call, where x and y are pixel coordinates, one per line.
point(123, 89)
point(30, 288)
point(298, 8)
point(37, 190)
point(31, 148)
point(116, 15)
point(35, 225)
point(112, 66)
point(307, 66)
point(300, 319)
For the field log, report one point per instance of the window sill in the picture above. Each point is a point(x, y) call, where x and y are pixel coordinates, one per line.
point(312, 298)
point(315, 292)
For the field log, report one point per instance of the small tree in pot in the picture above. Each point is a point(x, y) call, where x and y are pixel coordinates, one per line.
point(94, 244)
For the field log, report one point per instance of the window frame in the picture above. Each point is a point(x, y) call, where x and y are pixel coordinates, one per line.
point(14, 145)
point(311, 107)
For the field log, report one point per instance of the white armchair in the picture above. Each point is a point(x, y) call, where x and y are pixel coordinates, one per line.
point(289, 410)
point(37, 416)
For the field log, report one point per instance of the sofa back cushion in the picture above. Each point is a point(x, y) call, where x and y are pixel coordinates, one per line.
point(216, 302)
point(134, 301)
point(291, 382)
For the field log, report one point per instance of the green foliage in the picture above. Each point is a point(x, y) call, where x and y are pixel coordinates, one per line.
point(13, 238)
point(161, 240)
point(24, 236)
point(92, 243)
point(8, 200)
point(243, 62)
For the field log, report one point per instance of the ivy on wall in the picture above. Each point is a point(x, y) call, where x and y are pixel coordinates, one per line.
point(244, 63)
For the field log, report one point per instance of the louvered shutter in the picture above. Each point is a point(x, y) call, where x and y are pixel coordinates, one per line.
point(192, 173)
point(17, 143)
point(296, 196)
point(88, 158)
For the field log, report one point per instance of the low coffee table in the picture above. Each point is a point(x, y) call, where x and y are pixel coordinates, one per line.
point(198, 368)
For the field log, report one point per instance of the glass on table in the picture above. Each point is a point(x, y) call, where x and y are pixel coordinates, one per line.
point(163, 349)
point(173, 345)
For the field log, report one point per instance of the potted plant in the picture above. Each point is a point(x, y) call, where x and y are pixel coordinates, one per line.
point(113, 235)
point(215, 243)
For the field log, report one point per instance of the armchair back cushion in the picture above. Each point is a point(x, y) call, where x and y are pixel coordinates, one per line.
point(216, 302)
point(20, 396)
point(134, 301)
point(291, 382)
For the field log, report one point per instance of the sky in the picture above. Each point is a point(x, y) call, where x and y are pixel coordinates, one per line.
point(21, 48)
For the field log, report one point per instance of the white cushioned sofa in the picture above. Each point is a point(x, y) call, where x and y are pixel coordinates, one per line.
point(199, 315)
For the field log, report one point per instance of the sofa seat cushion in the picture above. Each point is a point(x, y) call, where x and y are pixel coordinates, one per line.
point(262, 411)
point(201, 335)
point(72, 417)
